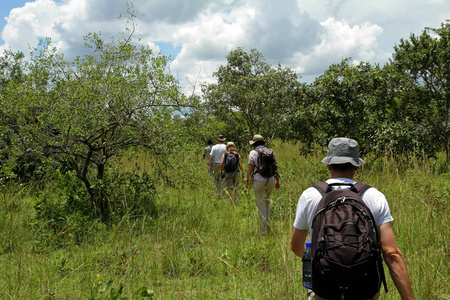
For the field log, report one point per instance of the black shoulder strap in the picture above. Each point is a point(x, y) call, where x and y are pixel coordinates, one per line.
point(325, 188)
point(360, 188)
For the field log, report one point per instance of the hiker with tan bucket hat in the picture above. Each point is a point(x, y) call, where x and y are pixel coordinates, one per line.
point(263, 168)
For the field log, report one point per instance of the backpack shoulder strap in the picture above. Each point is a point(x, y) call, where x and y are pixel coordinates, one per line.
point(323, 187)
point(360, 188)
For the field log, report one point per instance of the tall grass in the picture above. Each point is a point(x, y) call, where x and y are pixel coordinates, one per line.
point(201, 247)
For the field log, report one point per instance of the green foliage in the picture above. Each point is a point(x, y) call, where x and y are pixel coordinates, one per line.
point(250, 96)
point(100, 291)
point(66, 213)
point(12, 67)
point(61, 213)
point(341, 102)
point(105, 290)
point(402, 108)
point(130, 194)
point(85, 112)
point(421, 83)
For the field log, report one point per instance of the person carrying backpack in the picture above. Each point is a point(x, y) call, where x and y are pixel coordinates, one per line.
point(262, 164)
point(230, 165)
point(215, 158)
point(206, 154)
point(349, 225)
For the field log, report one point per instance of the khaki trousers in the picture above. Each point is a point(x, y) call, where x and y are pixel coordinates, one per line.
point(313, 296)
point(218, 180)
point(263, 189)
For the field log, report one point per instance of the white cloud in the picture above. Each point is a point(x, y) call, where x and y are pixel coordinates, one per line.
point(206, 43)
point(27, 24)
point(305, 35)
point(338, 41)
point(343, 40)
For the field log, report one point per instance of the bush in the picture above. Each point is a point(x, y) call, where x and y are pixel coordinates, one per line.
point(65, 213)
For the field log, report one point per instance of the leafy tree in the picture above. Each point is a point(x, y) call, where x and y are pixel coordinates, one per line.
point(340, 102)
point(84, 113)
point(250, 96)
point(12, 66)
point(422, 83)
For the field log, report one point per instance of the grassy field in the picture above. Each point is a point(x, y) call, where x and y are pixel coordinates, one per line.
point(204, 248)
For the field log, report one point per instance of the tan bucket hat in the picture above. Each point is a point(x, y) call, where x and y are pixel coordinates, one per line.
point(257, 138)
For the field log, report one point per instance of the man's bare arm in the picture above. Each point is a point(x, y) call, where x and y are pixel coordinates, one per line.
point(298, 240)
point(395, 262)
point(210, 162)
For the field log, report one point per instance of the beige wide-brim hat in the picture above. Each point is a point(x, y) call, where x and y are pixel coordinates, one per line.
point(343, 150)
point(221, 138)
point(257, 138)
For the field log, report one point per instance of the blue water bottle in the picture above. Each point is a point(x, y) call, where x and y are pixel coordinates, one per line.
point(307, 268)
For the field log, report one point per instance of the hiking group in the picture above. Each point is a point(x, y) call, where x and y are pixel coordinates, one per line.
point(348, 223)
point(225, 163)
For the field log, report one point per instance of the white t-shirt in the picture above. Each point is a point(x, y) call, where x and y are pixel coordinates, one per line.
point(310, 198)
point(217, 152)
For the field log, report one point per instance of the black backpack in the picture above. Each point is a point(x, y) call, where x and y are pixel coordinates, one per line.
point(266, 163)
point(231, 163)
point(345, 246)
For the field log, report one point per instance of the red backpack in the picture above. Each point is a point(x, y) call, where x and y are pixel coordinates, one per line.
point(345, 246)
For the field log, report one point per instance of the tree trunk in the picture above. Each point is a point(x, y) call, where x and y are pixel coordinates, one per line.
point(99, 198)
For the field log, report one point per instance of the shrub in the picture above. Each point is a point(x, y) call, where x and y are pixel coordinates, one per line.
point(65, 213)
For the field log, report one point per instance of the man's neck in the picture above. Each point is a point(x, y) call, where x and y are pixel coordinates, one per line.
point(347, 175)
point(341, 174)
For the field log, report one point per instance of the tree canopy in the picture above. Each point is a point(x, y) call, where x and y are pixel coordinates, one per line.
point(250, 96)
point(85, 112)
point(338, 103)
point(422, 85)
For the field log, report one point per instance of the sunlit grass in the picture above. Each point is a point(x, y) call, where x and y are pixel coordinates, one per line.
point(201, 247)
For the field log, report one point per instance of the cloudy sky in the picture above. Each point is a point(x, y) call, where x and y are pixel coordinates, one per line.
point(304, 35)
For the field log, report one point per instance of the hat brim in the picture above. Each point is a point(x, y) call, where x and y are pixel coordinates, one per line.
point(252, 142)
point(337, 160)
point(222, 140)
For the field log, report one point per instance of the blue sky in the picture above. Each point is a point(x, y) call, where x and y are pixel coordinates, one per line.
point(304, 35)
point(5, 8)
point(167, 48)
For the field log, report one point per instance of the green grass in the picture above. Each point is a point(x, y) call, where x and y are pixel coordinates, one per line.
point(204, 248)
